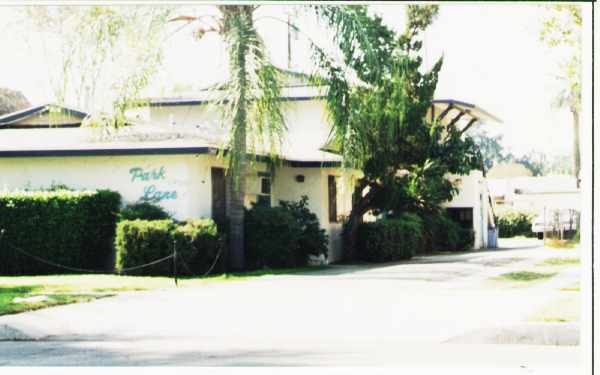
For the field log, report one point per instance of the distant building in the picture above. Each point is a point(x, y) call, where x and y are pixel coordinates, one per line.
point(43, 116)
point(507, 170)
point(533, 194)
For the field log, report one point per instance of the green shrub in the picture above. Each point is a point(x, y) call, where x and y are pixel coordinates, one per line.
point(284, 236)
point(72, 228)
point(466, 239)
point(143, 211)
point(139, 242)
point(272, 238)
point(512, 223)
point(198, 243)
point(441, 233)
point(390, 239)
point(313, 239)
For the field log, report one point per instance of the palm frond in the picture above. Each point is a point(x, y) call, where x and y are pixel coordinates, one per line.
point(250, 99)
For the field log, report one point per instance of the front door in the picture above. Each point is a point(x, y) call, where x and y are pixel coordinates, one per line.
point(218, 195)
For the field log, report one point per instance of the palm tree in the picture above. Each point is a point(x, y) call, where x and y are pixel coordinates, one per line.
point(250, 96)
point(562, 28)
point(570, 97)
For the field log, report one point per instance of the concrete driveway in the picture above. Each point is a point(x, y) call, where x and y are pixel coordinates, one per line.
point(435, 311)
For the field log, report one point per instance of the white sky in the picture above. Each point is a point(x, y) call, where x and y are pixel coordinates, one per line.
point(492, 58)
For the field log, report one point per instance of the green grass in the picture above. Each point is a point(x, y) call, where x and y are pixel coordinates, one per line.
point(64, 289)
point(525, 276)
point(560, 244)
point(559, 262)
point(9, 293)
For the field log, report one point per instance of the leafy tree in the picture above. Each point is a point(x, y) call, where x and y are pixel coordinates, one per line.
point(249, 99)
point(490, 147)
point(379, 127)
point(562, 29)
point(534, 161)
point(106, 55)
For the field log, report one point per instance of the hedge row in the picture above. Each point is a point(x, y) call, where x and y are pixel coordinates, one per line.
point(390, 239)
point(139, 242)
point(514, 223)
point(73, 228)
point(402, 237)
point(441, 233)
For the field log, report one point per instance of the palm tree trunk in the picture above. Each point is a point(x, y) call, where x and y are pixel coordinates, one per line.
point(576, 149)
point(237, 192)
point(238, 19)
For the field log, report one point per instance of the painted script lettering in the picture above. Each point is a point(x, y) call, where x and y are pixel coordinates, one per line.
point(150, 192)
point(139, 174)
point(154, 195)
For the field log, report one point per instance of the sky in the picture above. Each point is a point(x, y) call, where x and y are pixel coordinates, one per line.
point(492, 58)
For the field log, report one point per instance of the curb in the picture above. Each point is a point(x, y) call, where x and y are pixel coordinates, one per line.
point(16, 332)
point(8, 333)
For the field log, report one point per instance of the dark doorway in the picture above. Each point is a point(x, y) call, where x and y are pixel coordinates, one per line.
point(332, 190)
point(219, 203)
point(463, 216)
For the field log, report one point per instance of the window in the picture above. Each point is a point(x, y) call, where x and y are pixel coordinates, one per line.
point(265, 186)
point(264, 198)
point(332, 190)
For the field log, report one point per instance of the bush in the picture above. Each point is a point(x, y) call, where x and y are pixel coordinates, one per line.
point(283, 236)
point(272, 238)
point(514, 223)
point(139, 242)
point(466, 239)
point(390, 239)
point(72, 228)
point(143, 211)
point(198, 243)
point(441, 233)
point(313, 239)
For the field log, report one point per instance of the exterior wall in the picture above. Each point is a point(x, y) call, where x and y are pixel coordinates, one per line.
point(306, 122)
point(473, 193)
point(315, 186)
point(182, 181)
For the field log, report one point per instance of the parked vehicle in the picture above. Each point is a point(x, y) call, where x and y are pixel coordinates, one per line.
point(555, 221)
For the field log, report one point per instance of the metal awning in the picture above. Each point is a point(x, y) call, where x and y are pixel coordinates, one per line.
point(462, 114)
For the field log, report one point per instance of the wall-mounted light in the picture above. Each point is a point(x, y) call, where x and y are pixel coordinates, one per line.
point(300, 178)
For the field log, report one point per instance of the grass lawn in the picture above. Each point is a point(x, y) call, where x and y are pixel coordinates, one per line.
point(525, 276)
point(64, 289)
point(559, 262)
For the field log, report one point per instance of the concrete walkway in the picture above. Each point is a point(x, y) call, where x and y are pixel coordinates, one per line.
point(431, 308)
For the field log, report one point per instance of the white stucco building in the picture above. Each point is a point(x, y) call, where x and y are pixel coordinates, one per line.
point(536, 193)
point(171, 156)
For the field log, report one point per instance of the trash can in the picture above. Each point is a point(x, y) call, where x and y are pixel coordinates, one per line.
point(492, 238)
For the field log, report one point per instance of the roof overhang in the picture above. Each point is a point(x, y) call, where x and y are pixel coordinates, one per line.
point(456, 112)
point(447, 112)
